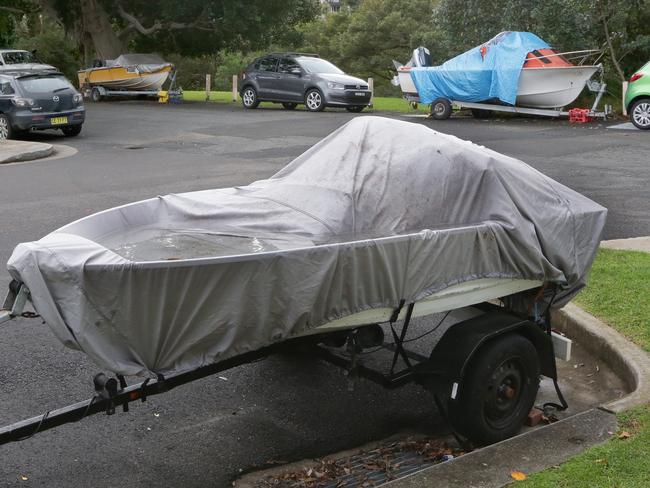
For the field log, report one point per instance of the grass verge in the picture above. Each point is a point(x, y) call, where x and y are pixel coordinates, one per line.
point(618, 291)
point(380, 104)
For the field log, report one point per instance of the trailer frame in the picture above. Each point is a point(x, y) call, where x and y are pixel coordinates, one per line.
point(442, 373)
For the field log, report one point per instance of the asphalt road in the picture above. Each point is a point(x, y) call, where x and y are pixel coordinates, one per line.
point(280, 409)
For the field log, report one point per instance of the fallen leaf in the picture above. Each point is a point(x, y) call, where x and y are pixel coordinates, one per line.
point(24, 478)
point(518, 475)
point(624, 435)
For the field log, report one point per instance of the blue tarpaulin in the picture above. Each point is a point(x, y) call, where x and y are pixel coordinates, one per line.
point(485, 72)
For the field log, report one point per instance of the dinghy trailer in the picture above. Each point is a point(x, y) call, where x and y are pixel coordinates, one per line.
point(336, 255)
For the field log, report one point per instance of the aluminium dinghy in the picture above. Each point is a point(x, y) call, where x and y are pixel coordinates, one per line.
point(379, 213)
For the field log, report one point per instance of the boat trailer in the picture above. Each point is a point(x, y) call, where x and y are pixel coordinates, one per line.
point(455, 372)
point(442, 108)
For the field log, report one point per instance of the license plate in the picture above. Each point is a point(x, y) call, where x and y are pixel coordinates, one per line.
point(58, 120)
point(360, 94)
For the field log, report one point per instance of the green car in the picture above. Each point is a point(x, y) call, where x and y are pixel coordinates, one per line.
point(637, 98)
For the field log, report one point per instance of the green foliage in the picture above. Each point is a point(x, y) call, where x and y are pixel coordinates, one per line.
point(222, 66)
point(52, 46)
point(363, 41)
point(198, 27)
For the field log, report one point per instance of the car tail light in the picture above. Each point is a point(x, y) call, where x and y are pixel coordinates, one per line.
point(78, 98)
point(22, 102)
point(635, 77)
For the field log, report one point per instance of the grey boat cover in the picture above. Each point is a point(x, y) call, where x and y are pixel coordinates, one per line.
point(378, 212)
point(143, 63)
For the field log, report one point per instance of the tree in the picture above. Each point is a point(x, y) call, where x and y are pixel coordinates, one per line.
point(106, 28)
point(365, 40)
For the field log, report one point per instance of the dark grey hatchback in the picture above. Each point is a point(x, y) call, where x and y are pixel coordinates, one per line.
point(293, 78)
point(39, 100)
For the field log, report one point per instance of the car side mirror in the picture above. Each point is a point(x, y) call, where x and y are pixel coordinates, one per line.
point(296, 71)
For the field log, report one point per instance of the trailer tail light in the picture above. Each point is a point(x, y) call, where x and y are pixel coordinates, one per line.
point(635, 77)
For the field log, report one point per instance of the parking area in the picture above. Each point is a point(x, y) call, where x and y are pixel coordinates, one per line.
point(286, 407)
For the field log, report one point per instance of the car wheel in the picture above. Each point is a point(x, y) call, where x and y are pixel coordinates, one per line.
point(640, 113)
point(498, 390)
point(249, 98)
point(289, 106)
point(441, 109)
point(355, 109)
point(314, 100)
point(95, 95)
point(71, 130)
point(5, 128)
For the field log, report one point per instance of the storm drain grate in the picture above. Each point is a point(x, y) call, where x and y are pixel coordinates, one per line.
point(367, 469)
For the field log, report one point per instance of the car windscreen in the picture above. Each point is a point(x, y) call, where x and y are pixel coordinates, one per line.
point(44, 84)
point(18, 57)
point(317, 65)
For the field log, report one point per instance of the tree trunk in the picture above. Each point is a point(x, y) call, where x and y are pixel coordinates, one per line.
point(612, 53)
point(97, 24)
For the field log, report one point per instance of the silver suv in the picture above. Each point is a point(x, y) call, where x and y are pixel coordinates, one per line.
point(293, 78)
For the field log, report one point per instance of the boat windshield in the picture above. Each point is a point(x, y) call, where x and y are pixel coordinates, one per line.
point(44, 84)
point(317, 65)
point(18, 57)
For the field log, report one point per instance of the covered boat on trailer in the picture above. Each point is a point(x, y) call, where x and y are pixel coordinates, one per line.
point(381, 221)
point(513, 69)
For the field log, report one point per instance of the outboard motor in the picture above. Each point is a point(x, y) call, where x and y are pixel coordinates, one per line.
point(421, 57)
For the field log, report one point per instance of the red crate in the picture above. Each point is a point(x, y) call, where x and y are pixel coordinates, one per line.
point(579, 115)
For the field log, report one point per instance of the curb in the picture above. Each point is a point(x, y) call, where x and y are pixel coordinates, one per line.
point(491, 466)
point(627, 359)
point(18, 151)
point(641, 244)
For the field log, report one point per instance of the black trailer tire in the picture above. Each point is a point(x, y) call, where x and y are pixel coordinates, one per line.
point(640, 113)
point(249, 97)
point(498, 390)
point(71, 130)
point(314, 100)
point(95, 95)
point(6, 132)
point(441, 109)
point(289, 105)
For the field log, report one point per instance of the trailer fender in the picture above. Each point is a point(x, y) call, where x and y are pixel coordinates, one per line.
point(452, 356)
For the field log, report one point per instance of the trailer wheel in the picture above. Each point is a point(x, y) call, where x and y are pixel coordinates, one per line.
point(289, 105)
point(498, 390)
point(441, 109)
point(95, 95)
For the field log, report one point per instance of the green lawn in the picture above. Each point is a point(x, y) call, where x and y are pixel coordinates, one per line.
point(380, 104)
point(618, 292)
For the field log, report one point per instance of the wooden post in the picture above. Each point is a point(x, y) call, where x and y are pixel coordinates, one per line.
point(625, 84)
point(208, 86)
point(234, 88)
point(371, 87)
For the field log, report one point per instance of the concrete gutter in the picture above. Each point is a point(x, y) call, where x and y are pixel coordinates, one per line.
point(535, 450)
point(628, 360)
point(15, 151)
